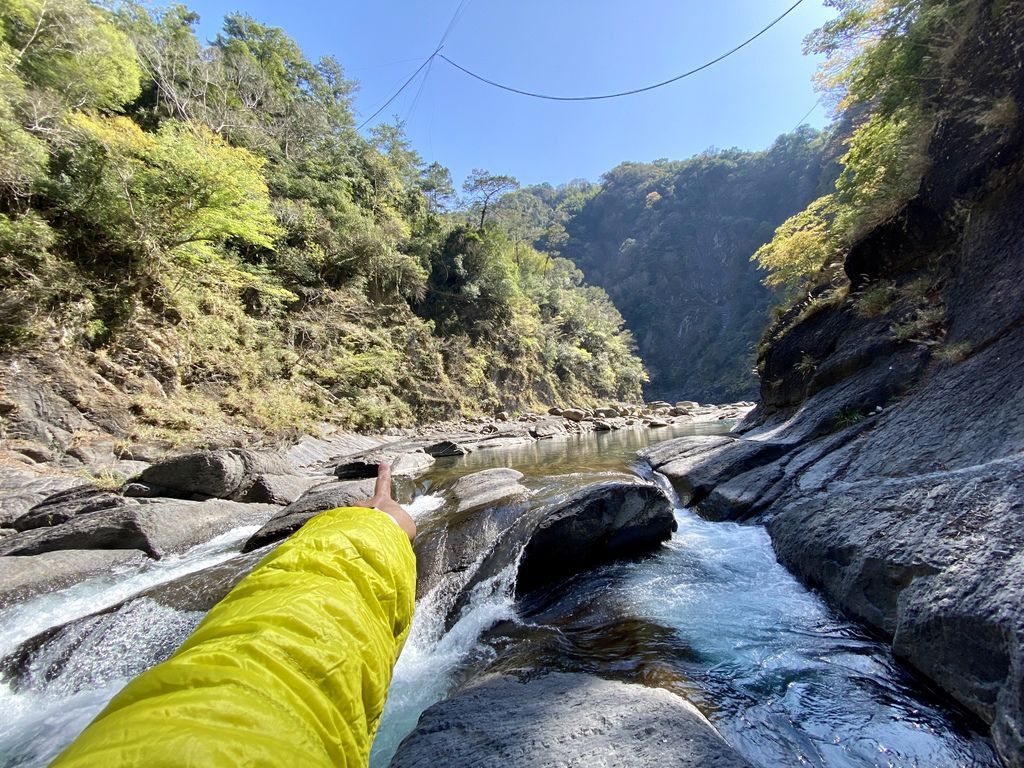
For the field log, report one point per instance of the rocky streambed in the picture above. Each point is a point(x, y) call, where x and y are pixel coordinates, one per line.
point(568, 604)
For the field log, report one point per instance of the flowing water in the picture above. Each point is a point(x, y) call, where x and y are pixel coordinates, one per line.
point(711, 616)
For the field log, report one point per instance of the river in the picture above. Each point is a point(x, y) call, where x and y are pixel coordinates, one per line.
point(711, 616)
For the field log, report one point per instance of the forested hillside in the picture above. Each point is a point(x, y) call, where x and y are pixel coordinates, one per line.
point(204, 226)
point(671, 242)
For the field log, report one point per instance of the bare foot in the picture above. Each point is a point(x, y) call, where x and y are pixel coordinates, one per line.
point(383, 501)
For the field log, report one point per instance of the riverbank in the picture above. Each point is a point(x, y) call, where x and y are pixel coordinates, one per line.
point(67, 515)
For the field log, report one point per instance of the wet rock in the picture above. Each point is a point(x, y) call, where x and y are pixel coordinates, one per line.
point(157, 528)
point(22, 577)
point(655, 423)
point(480, 509)
point(698, 463)
point(564, 720)
point(63, 505)
point(597, 524)
point(319, 499)
point(481, 489)
point(202, 590)
point(933, 561)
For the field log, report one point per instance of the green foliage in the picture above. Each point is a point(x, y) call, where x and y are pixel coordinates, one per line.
point(884, 62)
point(205, 221)
point(802, 245)
point(670, 242)
point(71, 52)
point(484, 187)
point(179, 191)
point(847, 418)
point(876, 300)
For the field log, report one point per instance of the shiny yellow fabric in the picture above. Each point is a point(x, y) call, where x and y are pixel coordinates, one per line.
point(290, 669)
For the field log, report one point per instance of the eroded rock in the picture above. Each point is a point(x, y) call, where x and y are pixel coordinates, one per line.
point(597, 524)
point(564, 720)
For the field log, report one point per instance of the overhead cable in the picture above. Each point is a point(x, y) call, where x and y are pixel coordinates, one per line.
point(463, 4)
point(633, 91)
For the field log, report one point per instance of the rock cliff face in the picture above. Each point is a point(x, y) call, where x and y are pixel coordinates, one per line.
point(888, 460)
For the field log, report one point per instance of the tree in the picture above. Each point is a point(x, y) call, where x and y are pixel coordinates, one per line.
point(178, 191)
point(436, 184)
point(484, 187)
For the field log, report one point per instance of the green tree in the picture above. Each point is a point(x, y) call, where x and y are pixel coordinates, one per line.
point(179, 191)
point(484, 188)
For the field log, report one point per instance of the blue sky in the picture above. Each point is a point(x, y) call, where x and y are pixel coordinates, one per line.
point(564, 47)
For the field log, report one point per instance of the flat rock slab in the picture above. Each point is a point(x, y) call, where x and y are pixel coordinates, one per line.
point(697, 464)
point(315, 450)
point(310, 504)
point(25, 576)
point(564, 720)
point(490, 486)
point(597, 524)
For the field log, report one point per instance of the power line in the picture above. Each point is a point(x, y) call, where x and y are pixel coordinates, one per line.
point(809, 111)
point(399, 91)
point(463, 4)
point(677, 78)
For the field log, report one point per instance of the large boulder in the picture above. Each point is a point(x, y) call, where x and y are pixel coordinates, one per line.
point(310, 504)
point(564, 720)
point(474, 518)
point(64, 505)
point(231, 473)
point(21, 490)
point(597, 524)
point(157, 528)
point(22, 577)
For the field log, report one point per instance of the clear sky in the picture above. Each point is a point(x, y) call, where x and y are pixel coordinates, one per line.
point(564, 47)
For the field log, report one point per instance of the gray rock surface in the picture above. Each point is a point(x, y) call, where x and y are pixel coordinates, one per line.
point(697, 464)
point(471, 521)
point(564, 720)
point(25, 576)
point(480, 489)
point(229, 473)
point(157, 528)
point(597, 524)
point(22, 490)
point(408, 462)
point(63, 505)
point(935, 562)
point(323, 497)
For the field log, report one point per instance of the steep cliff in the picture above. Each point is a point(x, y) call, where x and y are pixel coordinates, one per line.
point(897, 406)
